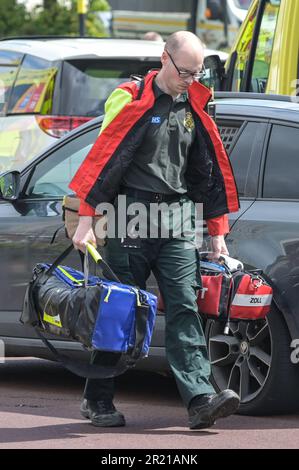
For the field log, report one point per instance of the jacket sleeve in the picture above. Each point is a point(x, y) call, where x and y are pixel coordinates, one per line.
point(218, 225)
point(85, 209)
point(115, 103)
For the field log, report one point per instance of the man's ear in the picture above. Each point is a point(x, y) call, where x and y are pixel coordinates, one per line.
point(164, 58)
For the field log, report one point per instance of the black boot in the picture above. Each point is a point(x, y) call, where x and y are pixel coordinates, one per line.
point(205, 409)
point(102, 413)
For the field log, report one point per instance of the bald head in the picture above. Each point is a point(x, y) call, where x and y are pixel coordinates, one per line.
point(181, 59)
point(152, 36)
point(183, 40)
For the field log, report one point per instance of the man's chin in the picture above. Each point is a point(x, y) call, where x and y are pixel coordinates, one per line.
point(183, 88)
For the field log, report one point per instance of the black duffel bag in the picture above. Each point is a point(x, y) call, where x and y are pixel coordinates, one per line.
point(100, 314)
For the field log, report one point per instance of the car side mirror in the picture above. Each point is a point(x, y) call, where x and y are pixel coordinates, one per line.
point(214, 72)
point(10, 185)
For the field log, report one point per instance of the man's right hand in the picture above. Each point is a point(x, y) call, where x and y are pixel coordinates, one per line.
point(84, 234)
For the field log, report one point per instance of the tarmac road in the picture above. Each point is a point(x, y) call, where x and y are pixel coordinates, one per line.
point(39, 408)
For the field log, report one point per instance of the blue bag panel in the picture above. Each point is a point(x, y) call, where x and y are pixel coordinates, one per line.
point(152, 300)
point(72, 277)
point(114, 329)
point(210, 266)
point(115, 318)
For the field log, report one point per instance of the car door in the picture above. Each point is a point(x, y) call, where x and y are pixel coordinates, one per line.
point(27, 225)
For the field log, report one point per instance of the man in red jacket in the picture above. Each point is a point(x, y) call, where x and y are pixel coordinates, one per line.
point(158, 145)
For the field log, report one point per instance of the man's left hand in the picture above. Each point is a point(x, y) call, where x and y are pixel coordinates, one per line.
point(218, 247)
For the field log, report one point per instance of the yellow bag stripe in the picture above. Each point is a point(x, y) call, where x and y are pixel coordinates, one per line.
point(53, 320)
point(79, 281)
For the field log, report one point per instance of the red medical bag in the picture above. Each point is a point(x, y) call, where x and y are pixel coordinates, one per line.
point(234, 295)
point(226, 295)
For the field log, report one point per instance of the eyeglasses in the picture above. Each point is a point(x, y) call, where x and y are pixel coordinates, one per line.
point(186, 74)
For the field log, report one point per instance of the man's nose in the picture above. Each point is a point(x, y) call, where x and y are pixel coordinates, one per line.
point(189, 80)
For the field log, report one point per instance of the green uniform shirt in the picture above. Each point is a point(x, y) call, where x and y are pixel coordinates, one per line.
point(160, 162)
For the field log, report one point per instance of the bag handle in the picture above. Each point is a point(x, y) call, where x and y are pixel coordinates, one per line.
point(97, 258)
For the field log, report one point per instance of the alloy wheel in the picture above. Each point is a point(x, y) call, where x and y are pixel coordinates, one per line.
point(240, 360)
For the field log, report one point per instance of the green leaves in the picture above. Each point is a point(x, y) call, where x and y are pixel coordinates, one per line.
point(52, 19)
point(12, 18)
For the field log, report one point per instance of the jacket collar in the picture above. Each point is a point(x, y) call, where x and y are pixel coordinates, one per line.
point(197, 92)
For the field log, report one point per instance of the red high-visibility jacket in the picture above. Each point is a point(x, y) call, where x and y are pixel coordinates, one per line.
point(209, 175)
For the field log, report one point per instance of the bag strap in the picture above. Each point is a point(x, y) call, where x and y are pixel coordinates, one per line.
point(140, 91)
point(59, 259)
point(83, 369)
point(142, 315)
point(139, 79)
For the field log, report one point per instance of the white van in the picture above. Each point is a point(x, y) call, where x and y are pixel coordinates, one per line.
point(217, 25)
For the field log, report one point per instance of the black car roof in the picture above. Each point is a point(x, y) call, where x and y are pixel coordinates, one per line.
point(259, 106)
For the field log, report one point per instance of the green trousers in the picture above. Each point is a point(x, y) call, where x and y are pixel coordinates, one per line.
point(174, 262)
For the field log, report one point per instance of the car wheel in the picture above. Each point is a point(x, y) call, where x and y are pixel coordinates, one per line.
point(254, 359)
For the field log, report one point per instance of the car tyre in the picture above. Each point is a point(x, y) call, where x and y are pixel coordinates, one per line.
point(254, 359)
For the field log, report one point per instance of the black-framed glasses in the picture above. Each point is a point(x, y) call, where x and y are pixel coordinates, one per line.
point(185, 73)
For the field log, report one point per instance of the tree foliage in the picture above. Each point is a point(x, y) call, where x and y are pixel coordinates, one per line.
point(53, 18)
point(12, 18)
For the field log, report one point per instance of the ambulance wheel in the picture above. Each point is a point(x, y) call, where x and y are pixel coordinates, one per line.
point(254, 359)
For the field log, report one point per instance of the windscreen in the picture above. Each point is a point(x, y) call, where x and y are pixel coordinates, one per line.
point(86, 83)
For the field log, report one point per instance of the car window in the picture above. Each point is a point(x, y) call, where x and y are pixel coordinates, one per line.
point(242, 141)
point(7, 78)
point(281, 176)
point(10, 57)
point(33, 90)
point(87, 83)
point(228, 133)
point(245, 158)
point(261, 65)
point(52, 175)
point(9, 63)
